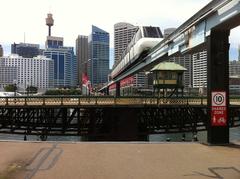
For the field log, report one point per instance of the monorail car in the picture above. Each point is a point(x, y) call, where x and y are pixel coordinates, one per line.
point(144, 39)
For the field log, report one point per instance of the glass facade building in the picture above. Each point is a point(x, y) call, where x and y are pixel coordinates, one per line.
point(98, 63)
point(54, 42)
point(65, 66)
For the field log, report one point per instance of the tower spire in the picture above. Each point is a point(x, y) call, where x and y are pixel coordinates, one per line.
point(49, 23)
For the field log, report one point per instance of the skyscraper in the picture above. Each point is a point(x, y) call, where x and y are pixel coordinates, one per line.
point(1, 51)
point(65, 63)
point(98, 65)
point(25, 50)
point(123, 33)
point(199, 69)
point(54, 42)
point(234, 68)
point(65, 71)
point(82, 56)
point(238, 52)
point(168, 31)
point(186, 62)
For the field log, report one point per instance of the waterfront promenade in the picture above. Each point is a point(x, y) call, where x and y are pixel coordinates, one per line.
point(50, 160)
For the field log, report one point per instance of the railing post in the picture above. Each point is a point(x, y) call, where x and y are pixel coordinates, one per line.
point(61, 101)
point(44, 101)
point(6, 100)
point(79, 103)
point(25, 101)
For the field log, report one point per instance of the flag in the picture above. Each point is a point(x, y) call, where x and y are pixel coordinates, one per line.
point(86, 82)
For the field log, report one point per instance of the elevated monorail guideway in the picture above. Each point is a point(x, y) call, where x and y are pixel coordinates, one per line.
point(209, 29)
point(191, 34)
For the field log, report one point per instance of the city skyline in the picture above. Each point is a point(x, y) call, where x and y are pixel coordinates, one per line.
point(69, 25)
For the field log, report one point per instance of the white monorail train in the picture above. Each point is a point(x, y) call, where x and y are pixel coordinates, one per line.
point(144, 39)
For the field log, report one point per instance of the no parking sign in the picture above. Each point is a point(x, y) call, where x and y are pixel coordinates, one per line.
point(219, 109)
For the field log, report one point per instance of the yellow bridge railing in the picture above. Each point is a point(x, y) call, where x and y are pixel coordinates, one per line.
point(102, 101)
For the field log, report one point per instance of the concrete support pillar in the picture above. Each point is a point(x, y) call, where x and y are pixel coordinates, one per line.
point(218, 85)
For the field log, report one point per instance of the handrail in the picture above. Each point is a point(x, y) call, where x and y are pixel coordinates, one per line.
point(104, 100)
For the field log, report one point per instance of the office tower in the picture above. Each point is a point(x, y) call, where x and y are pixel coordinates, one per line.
point(200, 69)
point(65, 66)
point(25, 50)
point(186, 62)
point(123, 33)
point(168, 31)
point(234, 68)
point(36, 71)
point(65, 63)
point(1, 51)
point(82, 56)
point(98, 65)
point(54, 42)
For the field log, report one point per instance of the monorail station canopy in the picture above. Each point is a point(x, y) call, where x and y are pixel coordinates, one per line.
point(168, 79)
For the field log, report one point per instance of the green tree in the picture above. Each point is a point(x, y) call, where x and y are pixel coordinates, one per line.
point(63, 92)
point(10, 88)
point(32, 89)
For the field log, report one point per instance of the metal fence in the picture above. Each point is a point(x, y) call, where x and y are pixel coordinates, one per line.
point(103, 100)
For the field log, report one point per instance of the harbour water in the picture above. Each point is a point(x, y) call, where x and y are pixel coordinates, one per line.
point(201, 137)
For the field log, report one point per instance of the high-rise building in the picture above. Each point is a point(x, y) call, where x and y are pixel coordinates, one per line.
point(82, 56)
point(186, 62)
point(239, 52)
point(168, 31)
point(54, 42)
point(65, 62)
point(200, 69)
point(1, 51)
point(98, 65)
point(123, 33)
point(25, 50)
point(65, 66)
point(234, 68)
point(36, 71)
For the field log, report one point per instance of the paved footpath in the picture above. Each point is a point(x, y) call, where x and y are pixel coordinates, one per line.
point(46, 160)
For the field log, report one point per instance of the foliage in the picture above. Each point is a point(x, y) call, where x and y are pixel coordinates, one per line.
point(32, 89)
point(10, 88)
point(63, 92)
